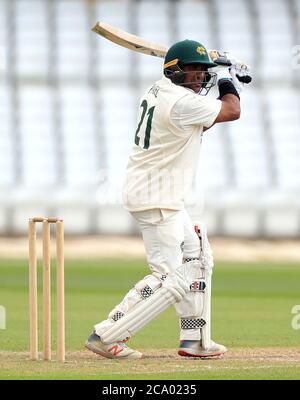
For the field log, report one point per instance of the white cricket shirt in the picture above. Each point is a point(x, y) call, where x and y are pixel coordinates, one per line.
point(166, 149)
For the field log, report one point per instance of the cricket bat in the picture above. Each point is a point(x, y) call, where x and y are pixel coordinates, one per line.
point(129, 41)
point(144, 46)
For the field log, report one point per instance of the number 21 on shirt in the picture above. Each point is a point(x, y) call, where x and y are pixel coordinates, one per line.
point(148, 113)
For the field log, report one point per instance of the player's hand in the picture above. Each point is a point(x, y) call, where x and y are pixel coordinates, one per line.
point(222, 72)
point(242, 72)
point(240, 75)
point(220, 57)
point(239, 69)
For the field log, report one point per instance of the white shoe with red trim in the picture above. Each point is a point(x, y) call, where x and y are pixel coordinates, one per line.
point(117, 350)
point(193, 348)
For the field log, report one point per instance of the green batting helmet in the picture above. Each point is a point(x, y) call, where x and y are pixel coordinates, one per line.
point(187, 52)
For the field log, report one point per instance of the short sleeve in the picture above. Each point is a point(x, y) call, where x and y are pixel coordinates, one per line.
point(193, 110)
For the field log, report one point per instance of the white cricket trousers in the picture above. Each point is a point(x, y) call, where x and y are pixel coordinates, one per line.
point(168, 237)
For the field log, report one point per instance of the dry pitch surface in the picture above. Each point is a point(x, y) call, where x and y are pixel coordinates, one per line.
point(260, 363)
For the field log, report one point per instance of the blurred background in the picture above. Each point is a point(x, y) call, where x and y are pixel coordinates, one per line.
point(68, 109)
point(69, 102)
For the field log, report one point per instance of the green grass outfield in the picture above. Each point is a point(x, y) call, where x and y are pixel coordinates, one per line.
point(252, 316)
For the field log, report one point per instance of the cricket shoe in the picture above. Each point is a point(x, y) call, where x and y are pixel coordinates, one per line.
point(193, 348)
point(117, 350)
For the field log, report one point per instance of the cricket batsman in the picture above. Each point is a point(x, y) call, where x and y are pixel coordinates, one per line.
point(174, 114)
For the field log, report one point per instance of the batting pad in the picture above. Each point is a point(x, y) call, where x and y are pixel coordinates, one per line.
point(206, 258)
point(206, 330)
point(172, 291)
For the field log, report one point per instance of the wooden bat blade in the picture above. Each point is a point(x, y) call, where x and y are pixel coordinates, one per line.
point(136, 43)
point(129, 41)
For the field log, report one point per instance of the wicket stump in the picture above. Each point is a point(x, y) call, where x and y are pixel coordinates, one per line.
point(33, 303)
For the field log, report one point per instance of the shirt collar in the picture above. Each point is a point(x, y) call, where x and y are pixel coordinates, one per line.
point(169, 82)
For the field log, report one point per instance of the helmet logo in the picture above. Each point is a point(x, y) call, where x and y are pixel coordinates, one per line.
point(201, 50)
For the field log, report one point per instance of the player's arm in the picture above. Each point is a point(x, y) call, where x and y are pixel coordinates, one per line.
point(206, 111)
point(230, 110)
point(229, 91)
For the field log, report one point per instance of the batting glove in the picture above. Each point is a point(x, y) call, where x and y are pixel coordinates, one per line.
point(240, 76)
point(239, 71)
point(222, 73)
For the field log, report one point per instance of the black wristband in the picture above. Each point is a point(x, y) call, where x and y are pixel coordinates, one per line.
point(227, 87)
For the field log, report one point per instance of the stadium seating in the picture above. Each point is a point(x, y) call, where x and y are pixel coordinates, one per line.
point(31, 39)
point(69, 102)
point(71, 39)
point(113, 62)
